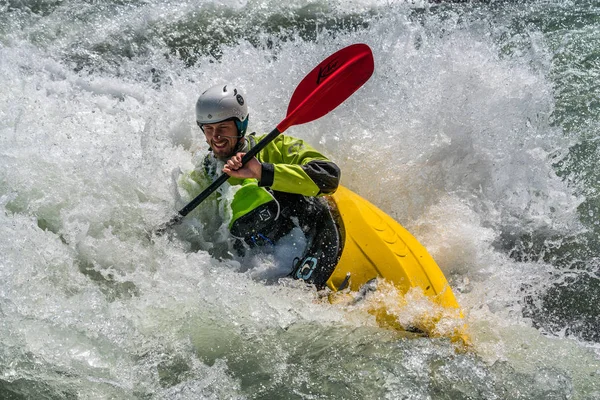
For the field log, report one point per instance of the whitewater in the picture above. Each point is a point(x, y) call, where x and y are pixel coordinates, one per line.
point(477, 132)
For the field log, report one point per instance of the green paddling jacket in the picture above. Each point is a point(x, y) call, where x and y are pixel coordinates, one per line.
point(293, 174)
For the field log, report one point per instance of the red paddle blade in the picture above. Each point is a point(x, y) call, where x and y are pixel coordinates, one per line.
point(329, 84)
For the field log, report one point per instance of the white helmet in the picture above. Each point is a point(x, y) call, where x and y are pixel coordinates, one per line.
point(220, 103)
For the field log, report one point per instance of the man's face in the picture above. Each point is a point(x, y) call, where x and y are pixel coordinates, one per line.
point(222, 138)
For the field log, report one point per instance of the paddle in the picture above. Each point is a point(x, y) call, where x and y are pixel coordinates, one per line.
point(323, 89)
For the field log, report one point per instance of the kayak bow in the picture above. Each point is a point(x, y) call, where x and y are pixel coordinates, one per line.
point(375, 246)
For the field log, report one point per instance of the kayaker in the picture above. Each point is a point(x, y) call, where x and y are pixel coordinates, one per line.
point(282, 187)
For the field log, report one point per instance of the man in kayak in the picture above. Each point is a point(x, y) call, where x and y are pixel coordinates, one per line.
point(280, 188)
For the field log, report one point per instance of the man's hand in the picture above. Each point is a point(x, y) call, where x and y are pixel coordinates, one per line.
point(252, 169)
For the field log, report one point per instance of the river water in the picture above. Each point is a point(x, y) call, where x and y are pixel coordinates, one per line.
point(477, 132)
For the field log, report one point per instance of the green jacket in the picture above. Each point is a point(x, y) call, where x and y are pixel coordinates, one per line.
point(289, 165)
point(291, 170)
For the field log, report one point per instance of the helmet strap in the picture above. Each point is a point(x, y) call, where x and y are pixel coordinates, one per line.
point(241, 126)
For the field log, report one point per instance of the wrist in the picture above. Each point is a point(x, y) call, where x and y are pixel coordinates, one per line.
point(258, 172)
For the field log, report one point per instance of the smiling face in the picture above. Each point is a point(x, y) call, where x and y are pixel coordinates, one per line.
point(222, 138)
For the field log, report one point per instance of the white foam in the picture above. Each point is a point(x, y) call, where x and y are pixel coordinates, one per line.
point(448, 137)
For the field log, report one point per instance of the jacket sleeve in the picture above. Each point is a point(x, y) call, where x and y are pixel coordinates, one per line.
point(290, 165)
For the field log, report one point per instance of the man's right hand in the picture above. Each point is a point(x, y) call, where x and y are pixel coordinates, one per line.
point(233, 167)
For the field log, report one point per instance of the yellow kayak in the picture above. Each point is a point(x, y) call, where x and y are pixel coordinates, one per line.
point(375, 246)
point(365, 257)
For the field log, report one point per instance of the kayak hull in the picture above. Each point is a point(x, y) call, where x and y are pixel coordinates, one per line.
point(375, 246)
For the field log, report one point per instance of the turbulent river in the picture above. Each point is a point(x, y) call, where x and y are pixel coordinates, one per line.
point(478, 132)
